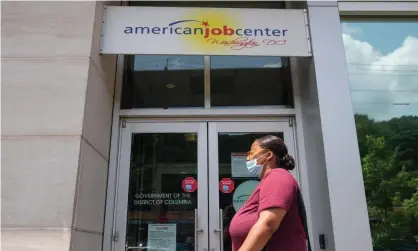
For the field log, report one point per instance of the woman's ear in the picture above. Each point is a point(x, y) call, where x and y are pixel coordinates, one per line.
point(270, 155)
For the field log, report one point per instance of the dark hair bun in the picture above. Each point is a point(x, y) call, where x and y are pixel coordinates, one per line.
point(278, 147)
point(287, 162)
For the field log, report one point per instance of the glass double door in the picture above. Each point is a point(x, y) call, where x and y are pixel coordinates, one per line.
point(180, 184)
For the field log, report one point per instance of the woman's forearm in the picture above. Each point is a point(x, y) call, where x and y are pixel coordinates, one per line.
point(258, 237)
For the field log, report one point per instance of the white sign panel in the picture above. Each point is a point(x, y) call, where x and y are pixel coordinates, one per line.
point(239, 166)
point(161, 237)
point(205, 31)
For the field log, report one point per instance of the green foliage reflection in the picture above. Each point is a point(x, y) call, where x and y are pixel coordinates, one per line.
point(389, 151)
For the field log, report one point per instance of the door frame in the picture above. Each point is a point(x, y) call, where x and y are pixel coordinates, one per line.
point(253, 126)
point(123, 173)
point(207, 130)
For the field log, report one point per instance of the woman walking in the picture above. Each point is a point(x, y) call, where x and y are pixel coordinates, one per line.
point(270, 219)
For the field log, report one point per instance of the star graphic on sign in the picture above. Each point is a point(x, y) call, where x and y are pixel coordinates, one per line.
point(205, 23)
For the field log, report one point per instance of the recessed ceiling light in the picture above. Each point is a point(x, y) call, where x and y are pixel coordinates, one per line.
point(170, 86)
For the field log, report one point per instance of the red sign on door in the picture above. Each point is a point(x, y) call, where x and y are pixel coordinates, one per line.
point(226, 185)
point(189, 185)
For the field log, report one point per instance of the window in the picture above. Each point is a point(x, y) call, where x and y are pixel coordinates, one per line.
point(382, 59)
point(169, 81)
point(250, 81)
point(163, 82)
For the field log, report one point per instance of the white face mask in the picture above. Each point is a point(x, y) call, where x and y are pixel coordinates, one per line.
point(254, 168)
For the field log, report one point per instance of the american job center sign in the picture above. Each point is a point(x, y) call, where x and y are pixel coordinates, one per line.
point(205, 31)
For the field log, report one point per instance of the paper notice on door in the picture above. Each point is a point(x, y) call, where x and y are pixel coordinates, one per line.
point(161, 237)
point(238, 165)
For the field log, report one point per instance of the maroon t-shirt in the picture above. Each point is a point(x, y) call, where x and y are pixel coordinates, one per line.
point(278, 189)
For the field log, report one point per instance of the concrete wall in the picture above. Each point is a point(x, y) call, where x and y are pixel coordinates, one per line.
point(57, 95)
point(311, 149)
point(330, 134)
point(310, 127)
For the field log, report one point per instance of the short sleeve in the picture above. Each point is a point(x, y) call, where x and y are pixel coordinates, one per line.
point(277, 191)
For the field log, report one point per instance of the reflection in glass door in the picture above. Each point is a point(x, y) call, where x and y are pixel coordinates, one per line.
point(230, 184)
point(162, 190)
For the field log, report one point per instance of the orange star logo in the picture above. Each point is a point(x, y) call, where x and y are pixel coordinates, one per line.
point(205, 23)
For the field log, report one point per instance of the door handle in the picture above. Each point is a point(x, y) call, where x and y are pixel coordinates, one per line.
point(198, 230)
point(221, 229)
point(134, 248)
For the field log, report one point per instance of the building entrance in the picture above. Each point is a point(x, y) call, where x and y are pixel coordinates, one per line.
point(180, 183)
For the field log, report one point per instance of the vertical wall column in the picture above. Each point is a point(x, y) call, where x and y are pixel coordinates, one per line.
point(312, 164)
point(342, 160)
point(57, 95)
point(90, 196)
